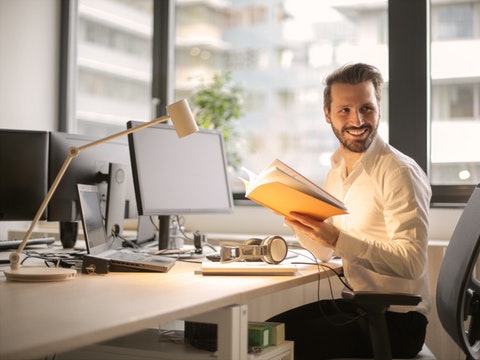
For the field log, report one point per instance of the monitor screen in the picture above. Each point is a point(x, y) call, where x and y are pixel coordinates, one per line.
point(175, 176)
point(90, 167)
point(23, 174)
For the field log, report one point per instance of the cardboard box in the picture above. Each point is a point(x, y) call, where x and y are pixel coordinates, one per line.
point(277, 334)
point(259, 335)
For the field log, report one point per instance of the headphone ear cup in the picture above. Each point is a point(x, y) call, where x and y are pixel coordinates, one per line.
point(277, 249)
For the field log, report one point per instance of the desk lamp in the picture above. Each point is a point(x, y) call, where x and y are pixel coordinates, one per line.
point(184, 124)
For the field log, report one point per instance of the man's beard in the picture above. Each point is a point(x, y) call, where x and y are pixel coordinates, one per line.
point(356, 146)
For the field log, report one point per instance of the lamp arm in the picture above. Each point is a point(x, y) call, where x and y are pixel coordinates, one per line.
point(123, 133)
point(72, 153)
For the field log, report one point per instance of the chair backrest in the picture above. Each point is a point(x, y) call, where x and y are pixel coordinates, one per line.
point(458, 288)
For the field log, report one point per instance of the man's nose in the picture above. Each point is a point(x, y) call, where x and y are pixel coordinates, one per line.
point(357, 118)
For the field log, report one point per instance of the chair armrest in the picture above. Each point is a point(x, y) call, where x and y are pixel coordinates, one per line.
point(381, 299)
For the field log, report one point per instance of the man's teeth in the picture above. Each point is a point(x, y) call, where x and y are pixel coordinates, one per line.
point(357, 132)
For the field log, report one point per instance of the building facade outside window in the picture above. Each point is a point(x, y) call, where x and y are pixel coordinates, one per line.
point(279, 51)
point(455, 93)
point(113, 65)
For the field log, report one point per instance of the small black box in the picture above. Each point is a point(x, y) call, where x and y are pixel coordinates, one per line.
point(94, 265)
point(201, 335)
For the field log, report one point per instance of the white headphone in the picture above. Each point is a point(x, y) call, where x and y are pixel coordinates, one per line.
point(272, 250)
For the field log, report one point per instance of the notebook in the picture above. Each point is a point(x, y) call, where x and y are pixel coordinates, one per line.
point(247, 268)
point(98, 245)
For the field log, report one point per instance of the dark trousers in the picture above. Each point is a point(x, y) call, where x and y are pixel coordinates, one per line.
point(338, 328)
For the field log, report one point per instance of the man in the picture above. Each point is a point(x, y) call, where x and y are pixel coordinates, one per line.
point(382, 240)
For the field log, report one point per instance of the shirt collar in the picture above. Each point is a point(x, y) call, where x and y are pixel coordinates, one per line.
point(367, 161)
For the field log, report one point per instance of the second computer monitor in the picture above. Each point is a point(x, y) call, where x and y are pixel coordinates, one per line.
point(90, 167)
point(174, 176)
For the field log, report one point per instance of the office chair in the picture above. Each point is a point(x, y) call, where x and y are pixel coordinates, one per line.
point(457, 295)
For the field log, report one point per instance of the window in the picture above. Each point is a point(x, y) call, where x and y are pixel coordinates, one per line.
point(455, 93)
point(111, 80)
point(455, 102)
point(453, 21)
point(279, 51)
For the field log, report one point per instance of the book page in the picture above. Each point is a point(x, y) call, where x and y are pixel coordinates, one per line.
point(277, 171)
point(307, 183)
point(284, 199)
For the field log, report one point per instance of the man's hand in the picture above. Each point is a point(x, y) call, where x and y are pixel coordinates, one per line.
point(322, 232)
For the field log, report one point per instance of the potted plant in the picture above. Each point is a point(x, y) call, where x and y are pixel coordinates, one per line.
point(218, 105)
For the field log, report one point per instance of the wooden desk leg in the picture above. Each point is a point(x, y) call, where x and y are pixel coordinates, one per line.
point(232, 330)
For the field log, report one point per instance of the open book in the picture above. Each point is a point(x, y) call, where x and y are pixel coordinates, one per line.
point(283, 190)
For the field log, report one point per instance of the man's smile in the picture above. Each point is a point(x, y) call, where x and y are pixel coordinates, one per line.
point(357, 132)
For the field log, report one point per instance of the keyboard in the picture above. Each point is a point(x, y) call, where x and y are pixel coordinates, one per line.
point(14, 244)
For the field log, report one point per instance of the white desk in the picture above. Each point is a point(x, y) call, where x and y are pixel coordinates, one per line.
point(38, 319)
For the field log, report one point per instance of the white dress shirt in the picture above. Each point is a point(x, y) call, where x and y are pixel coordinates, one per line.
point(383, 239)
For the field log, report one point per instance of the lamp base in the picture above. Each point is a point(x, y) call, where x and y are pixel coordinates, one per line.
point(39, 274)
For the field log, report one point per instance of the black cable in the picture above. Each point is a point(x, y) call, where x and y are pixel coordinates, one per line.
point(48, 261)
point(339, 276)
point(153, 223)
point(129, 242)
point(210, 246)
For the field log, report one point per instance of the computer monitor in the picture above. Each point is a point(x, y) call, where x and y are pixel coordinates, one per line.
point(23, 173)
point(92, 166)
point(173, 176)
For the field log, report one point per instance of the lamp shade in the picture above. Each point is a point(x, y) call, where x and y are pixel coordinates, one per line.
point(182, 118)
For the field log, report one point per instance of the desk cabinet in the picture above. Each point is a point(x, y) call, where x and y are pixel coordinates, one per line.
point(146, 345)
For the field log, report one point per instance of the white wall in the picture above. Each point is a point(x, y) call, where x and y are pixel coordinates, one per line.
point(29, 67)
point(29, 62)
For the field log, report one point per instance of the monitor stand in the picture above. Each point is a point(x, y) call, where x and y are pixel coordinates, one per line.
point(116, 198)
point(163, 231)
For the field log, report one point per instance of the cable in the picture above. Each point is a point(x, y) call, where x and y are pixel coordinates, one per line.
point(48, 261)
point(153, 222)
point(181, 222)
point(339, 276)
point(210, 246)
point(129, 242)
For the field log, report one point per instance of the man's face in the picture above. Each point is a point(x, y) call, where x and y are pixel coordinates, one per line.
point(354, 115)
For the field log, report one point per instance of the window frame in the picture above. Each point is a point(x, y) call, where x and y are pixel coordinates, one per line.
point(67, 65)
point(411, 90)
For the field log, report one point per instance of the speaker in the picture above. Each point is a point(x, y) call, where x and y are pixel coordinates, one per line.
point(272, 250)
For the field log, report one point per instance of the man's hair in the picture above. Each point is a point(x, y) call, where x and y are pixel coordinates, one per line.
point(353, 74)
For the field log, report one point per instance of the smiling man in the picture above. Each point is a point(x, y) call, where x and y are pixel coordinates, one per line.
point(382, 240)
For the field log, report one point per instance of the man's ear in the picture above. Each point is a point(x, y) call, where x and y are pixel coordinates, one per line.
point(327, 115)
